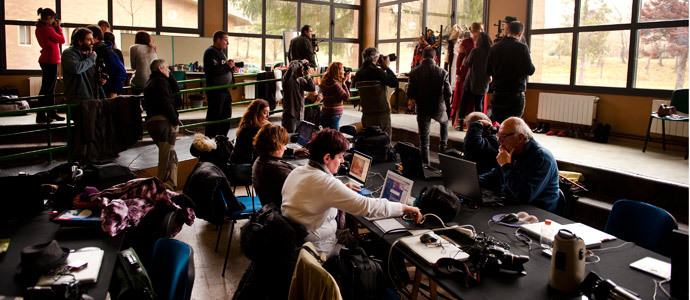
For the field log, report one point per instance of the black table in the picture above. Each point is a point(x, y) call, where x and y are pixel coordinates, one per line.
point(38, 230)
point(614, 263)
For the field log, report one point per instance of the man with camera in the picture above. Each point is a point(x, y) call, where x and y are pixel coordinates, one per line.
point(371, 80)
point(509, 62)
point(303, 46)
point(110, 67)
point(295, 82)
point(481, 144)
point(430, 87)
point(218, 70)
point(77, 67)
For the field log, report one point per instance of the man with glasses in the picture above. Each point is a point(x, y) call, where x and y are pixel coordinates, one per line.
point(527, 172)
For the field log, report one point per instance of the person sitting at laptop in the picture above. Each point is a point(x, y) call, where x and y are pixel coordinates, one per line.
point(269, 171)
point(527, 172)
point(312, 196)
point(243, 155)
point(481, 144)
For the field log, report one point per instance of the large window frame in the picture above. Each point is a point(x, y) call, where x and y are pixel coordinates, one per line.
point(58, 10)
point(330, 4)
point(634, 27)
point(425, 11)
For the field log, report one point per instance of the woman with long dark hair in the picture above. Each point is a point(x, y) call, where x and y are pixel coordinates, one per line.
point(49, 36)
point(141, 54)
point(243, 155)
point(477, 81)
point(335, 92)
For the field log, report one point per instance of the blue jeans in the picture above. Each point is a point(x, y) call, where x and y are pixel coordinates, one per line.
point(331, 121)
point(424, 124)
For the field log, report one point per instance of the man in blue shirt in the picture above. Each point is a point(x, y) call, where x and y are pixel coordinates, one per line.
point(527, 172)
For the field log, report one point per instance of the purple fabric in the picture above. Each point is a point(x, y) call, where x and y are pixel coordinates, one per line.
point(126, 204)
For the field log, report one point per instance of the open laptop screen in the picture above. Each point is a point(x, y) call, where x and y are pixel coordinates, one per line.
point(396, 188)
point(460, 176)
point(360, 166)
point(305, 130)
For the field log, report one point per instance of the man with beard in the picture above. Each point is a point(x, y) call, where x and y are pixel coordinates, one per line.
point(77, 67)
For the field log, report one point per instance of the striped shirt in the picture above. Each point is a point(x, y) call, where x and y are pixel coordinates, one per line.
point(334, 95)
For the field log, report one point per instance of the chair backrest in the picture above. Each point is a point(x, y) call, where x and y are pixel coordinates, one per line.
point(644, 224)
point(172, 269)
point(179, 75)
point(679, 99)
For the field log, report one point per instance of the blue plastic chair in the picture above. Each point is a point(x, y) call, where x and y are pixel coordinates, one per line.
point(172, 269)
point(679, 99)
point(644, 224)
point(251, 204)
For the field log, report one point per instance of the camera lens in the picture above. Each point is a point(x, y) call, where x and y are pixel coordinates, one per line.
point(392, 57)
point(239, 64)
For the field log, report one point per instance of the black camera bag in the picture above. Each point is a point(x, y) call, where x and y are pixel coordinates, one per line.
point(439, 201)
point(360, 276)
point(374, 142)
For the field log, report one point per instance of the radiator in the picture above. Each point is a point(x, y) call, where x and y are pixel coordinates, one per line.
point(567, 108)
point(672, 128)
point(34, 86)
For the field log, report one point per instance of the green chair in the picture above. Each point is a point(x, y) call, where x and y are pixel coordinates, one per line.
point(679, 99)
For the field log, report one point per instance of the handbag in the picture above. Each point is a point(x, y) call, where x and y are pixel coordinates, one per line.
point(130, 279)
point(666, 110)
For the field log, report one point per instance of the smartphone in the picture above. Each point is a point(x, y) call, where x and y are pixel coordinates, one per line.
point(77, 264)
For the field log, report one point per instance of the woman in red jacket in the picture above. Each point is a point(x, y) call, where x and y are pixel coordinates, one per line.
point(459, 109)
point(49, 36)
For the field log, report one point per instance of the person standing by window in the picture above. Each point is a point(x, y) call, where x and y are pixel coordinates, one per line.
point(477, 81)
point(335, 91)
point(49, 36)
point(141, 54)
point(218, 70)
point(295, 82)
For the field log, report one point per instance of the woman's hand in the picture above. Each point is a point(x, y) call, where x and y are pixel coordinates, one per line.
point(353, 186)
point(412, 212)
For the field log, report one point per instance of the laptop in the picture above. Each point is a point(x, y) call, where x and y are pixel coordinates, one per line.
point(305, 130)
point(411, 159)
point(591, 236)
point(460, 176)
point(359, 170)
point(396, 188)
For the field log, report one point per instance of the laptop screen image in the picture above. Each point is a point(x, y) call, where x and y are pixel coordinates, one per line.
point(360, 167)
point(396, 188)
point(305, 131)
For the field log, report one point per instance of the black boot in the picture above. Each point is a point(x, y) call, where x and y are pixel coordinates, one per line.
point(41, 117)
point(53, 115)
point(545, 128)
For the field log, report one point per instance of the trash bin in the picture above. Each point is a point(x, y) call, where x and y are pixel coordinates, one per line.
point(196, 101)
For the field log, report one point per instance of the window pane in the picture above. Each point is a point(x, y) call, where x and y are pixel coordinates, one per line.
point(274, 51)
point(661, 10)
point(353, 2)
point(20, 57)
point(244, 16)
point(405, 56)
point(602, 58)
point(388, 48)
point(388, 22)
point(25, 10)
point(134, 13)
point(244, 49)
point(282, 16)
point(347, 53)
point(322, 55)
point(552, 14)
point(180, 13)
point(469, 11)
point(411, 22)
point(84, 11)
point(346, 23)
point(551, 54)
point(317, 16)
point(662, 59)
point(598, 12)
point(439, 14)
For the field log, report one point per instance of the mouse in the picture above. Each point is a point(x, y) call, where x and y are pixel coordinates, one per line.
point(509, 218)
point(427, 238)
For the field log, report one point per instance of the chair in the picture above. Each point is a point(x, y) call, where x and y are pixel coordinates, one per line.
point(250, 192)
point(644, 224)
point(310, 280)
point(252, 205)
point(679, 99)
point(172, 269)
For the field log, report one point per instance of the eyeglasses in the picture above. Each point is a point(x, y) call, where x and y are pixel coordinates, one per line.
point(504, 135)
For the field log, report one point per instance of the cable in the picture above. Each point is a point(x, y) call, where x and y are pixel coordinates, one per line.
point(614, 247)
point(658, 284)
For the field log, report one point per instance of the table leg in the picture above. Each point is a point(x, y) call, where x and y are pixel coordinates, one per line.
point(432, 290)
point(416, 284)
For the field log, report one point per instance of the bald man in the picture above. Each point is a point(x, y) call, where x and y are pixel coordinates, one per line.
point(527, 172)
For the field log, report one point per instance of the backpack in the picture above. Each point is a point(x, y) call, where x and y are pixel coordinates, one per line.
point(360, 276)
point(439, 201)
point(130, 279)
point(374, 142)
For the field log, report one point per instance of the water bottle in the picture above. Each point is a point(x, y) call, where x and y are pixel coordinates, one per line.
point(547, 234)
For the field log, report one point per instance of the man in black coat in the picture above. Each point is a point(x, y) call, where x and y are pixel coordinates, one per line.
point(162, 119)
point(509, 63)
point(430, 87)
point(301, 47)
point(218, 70)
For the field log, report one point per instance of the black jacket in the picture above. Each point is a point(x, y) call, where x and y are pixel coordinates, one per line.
point(509, 63)
point(158, 97)
point(369, 72)
point(429, 86)
point(481, 149)
point(215, 68)
point(300, 48)
point(244, 152)
point(268, 176)
point(204, 186)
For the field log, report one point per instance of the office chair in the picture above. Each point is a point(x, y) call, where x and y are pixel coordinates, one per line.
point(172, 269)
point(250, 191)
point(251, 204)
point(644, 224)
point(679, 99)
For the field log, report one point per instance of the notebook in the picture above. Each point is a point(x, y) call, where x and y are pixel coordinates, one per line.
point(359, 170)
point(79, 216)
point(411, 160)
point(460, 176)
point(432, 253)
point(396, 188)
point(591, 236)
point(305, 130)
point(94, 257)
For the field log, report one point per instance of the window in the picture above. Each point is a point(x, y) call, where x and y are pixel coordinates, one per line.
point(175, 17)
point(334, 22)
point(608, 46)
point(400, 24)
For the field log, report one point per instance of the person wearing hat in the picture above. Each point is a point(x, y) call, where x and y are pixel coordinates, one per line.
point(506, 23)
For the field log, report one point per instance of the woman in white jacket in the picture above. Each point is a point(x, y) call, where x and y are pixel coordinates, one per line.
point(312, 196)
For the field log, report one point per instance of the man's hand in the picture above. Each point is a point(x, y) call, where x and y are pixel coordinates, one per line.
point(231, 64)
point(412, 212)
point(319, 98)
point(504, 157)
point(353, 186)
point(302, 152)
point(485, 122)
point(385, 60)
point(101, 81)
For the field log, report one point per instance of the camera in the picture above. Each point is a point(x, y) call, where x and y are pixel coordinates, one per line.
point(596, 287)
point(491, 256)
point(239, 64)
point(490, 130)
point(391, 57)
point(347, 70)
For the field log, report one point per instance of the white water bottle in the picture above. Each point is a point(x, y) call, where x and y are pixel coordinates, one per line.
point(546, 238)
